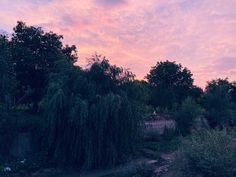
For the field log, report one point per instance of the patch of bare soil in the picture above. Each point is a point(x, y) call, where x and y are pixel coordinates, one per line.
point(159, 167)
point(163, 170)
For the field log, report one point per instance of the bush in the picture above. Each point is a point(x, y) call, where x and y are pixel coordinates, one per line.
point(186, 114)
point(209, 154)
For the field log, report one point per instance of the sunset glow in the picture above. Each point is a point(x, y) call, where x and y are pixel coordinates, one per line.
point(135, 34)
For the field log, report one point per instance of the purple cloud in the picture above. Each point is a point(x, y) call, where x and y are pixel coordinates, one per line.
point(110, 2)
point(136, 33)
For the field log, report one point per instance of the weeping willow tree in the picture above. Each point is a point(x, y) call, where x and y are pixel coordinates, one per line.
point(91, 134)
point(88, 127)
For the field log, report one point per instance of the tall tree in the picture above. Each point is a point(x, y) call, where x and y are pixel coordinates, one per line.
point(80, 116)
point(34, 53)
point(218, 104)
point(170, 82)
point(105, 76)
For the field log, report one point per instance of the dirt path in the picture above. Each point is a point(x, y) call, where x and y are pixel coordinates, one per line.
point(163, 170)
point(123, 169)
point(158, 166)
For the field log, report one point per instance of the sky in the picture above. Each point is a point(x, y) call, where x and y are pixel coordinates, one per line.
point(135, 34)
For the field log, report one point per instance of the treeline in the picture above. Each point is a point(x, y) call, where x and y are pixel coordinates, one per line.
point(90, 118)
point(171, 88)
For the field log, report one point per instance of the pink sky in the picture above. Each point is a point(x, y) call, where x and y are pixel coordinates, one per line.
point(135, 34)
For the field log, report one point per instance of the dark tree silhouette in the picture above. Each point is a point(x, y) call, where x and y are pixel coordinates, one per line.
point(170, 82)
point(105, 76)
point(34, 54)
point(90, 122)
point(7, 81)
point(218, 103)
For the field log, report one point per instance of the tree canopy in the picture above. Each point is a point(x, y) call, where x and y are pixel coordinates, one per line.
point(218, 103)
point(170, 83)
point(34, 54)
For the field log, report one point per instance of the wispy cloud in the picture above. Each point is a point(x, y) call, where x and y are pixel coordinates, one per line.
point(110, 2)
point(137, 33)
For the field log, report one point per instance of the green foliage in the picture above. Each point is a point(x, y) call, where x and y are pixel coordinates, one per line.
point(218, 83)
point(91, 122)
point(105, 76)
point(7, 133)
point(163, 145)
point(196, 93)
point(169, 74)
point(185, 116)
point(230, 87)
point(34, 54)
point(138, 91)
point(6, 74)
point(162, 97)
point(92, 116)
point(91, 134)
point(217, 102)
point(209, 154)
point(170, 83)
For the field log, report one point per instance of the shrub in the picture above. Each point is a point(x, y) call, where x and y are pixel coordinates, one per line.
point(209, 154)
point(186, 115)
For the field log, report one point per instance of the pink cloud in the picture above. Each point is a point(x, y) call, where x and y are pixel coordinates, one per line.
point(136, 33)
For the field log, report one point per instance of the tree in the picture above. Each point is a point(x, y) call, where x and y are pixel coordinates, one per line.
point(138, 91)
point(70, 52)
point(105, 76)
point(229, 86)
point(6, 72)
point(218, 83)
point(233, 92)
point(79, 127)
point(170, 81)
point(34, 54)
point(91, 122)
point(218, 104)
point(196, 93)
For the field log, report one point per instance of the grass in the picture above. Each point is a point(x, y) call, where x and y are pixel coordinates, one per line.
point(163, 146)
point(135, 172)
